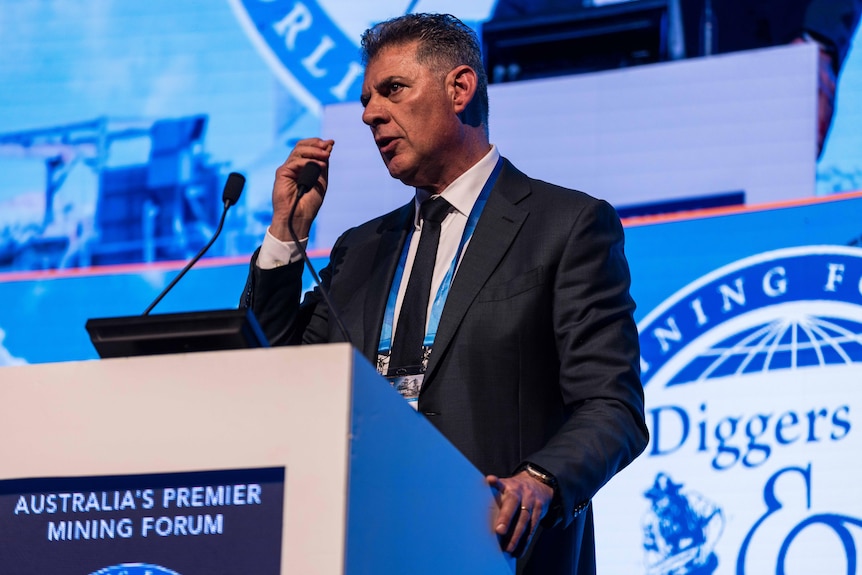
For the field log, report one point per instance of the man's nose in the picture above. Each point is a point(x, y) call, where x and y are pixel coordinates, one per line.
point(374, 113)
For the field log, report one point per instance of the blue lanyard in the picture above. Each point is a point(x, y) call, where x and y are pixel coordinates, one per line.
point(443, 291)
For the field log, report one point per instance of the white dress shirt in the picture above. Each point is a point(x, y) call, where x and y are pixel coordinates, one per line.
point(462, 194)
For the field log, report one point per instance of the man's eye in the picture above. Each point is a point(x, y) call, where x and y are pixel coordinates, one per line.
point(395, 87)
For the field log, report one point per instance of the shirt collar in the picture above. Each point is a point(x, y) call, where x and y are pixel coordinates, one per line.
point(463, 192)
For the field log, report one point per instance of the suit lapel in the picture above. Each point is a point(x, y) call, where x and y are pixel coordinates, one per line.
point(496, 230)
point(393, 234)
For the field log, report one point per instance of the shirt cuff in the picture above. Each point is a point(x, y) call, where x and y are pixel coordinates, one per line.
point(275, 253)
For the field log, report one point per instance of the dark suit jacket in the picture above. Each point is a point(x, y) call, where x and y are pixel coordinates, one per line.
point(536, 357)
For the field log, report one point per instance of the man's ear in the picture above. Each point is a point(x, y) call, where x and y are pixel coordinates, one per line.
point(462, 83)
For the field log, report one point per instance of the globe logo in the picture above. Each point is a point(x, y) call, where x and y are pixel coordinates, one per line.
point(134, 569)
point(788, 309)
point(792, 340)
point(312, 46)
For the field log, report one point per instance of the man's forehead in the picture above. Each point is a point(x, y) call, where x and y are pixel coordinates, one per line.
point(394, 62)
point(403, 52)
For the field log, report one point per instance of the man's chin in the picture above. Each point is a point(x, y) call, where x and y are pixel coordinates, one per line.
point(401, 173)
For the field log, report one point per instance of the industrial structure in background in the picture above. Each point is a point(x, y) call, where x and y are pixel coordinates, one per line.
point(162, 208)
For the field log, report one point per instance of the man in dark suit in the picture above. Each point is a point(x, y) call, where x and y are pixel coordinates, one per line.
point(527, 354)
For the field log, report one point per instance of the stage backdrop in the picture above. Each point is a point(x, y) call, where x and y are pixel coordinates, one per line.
point(119, 123)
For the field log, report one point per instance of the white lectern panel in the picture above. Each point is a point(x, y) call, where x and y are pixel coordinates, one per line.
point(180, 432)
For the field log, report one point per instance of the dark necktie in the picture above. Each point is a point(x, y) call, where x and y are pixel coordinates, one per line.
point(410, 332)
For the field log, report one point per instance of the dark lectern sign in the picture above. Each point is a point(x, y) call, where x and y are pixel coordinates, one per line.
point(197, 523)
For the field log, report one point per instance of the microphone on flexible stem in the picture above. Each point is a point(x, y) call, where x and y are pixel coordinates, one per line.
point(232, 190)
point(305, 181)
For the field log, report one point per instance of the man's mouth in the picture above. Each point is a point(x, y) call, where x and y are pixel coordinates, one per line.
point(386, 145)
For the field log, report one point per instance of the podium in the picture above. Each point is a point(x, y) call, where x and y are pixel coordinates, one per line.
point(166, 462)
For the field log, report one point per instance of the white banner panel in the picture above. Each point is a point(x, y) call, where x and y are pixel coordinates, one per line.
point(751, 377)
point(742, 122)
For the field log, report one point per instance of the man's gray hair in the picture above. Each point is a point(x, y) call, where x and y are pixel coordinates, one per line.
point(444, 43)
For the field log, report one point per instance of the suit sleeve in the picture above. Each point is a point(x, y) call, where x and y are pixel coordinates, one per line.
point(274, 297)
point(597, 343)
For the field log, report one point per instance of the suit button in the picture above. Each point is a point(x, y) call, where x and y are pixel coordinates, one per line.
point(430, 413)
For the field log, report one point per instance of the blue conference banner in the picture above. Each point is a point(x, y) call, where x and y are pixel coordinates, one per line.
point(221, 521)
point(46, 322)
point(751, 357)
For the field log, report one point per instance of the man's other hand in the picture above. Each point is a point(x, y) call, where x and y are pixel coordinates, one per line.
point(522, 502)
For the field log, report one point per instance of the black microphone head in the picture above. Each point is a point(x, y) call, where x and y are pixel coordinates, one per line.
point(307, 177)
point(232, 189)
